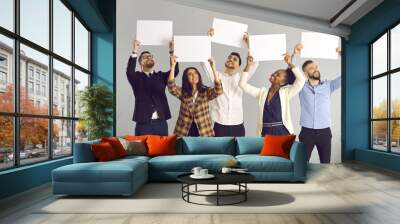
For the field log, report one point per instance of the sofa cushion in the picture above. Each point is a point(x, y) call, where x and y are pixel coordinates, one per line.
point(257, 163)
point(161, 145)
point(208, 145)
point(116, 145)
point(103, 152)
point(185, 163)
point(112, 171)
point(277, 145)
point(134, 147)
point(249, 145)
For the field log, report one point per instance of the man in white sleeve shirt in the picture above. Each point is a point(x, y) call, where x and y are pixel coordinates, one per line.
point(227, 109)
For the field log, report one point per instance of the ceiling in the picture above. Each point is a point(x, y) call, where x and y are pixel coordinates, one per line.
point(315, 15)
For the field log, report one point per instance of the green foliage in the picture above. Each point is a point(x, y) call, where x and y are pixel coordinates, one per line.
point(96, 102)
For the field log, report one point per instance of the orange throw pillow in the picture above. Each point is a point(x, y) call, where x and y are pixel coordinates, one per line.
point(277, 145)
point(116, 145)
point(161, 145)
point(103, 152)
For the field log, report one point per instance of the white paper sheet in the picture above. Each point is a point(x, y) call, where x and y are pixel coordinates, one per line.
point(229, 32)
point(319, 45)
point(267, 47)
point(192, 48)
point(154, 32)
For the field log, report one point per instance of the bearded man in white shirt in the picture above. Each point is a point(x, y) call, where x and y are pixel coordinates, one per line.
point(227, 109)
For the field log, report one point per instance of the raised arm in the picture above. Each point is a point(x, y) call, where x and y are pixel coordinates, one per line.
point(217, 90)
point(298, 84)
point(130, 70)
point(176, 67)
point(243, 84)
point(206, 66)
point(172, 87)
point(253, 68)
point(336, 83)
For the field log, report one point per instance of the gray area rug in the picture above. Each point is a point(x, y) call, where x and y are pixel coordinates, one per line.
point(166, 198)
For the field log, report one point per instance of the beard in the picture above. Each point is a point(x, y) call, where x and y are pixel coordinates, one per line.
point(315, 76)
point(149, 64)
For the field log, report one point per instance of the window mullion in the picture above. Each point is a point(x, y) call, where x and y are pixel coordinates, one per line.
point(389, 149)
point(50, 81)
point(73, 81)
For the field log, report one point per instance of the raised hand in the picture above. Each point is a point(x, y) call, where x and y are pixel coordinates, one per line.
point(249, 63)
point(135, 46)
point(214, 69)
point(288, 59)
point(212, 63)
point(246, 39)
point(339, 51)
point(210, 32)
point(297, 49)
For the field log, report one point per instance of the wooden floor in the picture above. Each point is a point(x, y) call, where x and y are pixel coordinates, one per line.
point(379, 189)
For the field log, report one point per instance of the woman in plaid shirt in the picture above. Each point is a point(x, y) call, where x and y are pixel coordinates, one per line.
point(194, 114)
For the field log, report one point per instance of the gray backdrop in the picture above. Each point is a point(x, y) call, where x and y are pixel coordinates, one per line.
point(193, 21)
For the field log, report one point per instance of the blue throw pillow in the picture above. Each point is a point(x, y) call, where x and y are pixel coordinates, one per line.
point(249, 145)
point(208, 145)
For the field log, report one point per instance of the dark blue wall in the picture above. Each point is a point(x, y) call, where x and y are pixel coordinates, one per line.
point(356, 82)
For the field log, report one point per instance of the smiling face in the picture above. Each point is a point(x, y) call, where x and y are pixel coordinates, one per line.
point(232, 62)
point(279, 77)
point(312, 71)
point(193, 77)
point(147, 60)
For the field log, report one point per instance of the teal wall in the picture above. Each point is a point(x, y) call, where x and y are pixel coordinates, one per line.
point(99, 15)
point(356, 82)
point(24, 178)
point(103, 51)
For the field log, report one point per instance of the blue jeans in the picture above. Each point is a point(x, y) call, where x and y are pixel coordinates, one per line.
point(153, 127)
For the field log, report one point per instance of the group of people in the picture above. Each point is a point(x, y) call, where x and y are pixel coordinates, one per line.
point(218, 110)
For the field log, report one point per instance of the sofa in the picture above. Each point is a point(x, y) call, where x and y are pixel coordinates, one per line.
point(126, 175)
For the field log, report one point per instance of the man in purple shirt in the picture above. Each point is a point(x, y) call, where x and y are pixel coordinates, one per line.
point(151, 110)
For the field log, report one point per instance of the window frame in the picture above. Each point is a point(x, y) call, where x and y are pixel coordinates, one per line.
point(388, 74)
point(16, 114)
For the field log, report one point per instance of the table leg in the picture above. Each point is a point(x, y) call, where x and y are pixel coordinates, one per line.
point(196, 187)
point(217, 194)
point(245, 193)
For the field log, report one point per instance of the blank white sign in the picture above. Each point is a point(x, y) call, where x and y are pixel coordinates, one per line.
point(228, 32)
point(319, 45)
point(154, 32)
point(267, 47)
point(192, 48)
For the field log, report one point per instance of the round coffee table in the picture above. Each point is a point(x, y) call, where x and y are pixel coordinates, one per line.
point(238, 179)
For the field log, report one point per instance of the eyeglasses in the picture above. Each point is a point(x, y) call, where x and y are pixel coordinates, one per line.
point(147, 56)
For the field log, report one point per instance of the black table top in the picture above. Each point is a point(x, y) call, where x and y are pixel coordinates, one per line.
point(220, 178)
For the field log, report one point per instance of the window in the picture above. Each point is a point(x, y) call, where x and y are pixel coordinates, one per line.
point(35, 21)
point(30, 87)
point(7, 14)
point(41, 124)
point(30, 72)
point(81, 45)
point(3, 78)
point(385, 95)
point(62, 29)
point(61, 75)
point(6, 73)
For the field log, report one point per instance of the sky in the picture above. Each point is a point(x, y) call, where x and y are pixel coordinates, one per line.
point(35, 27)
